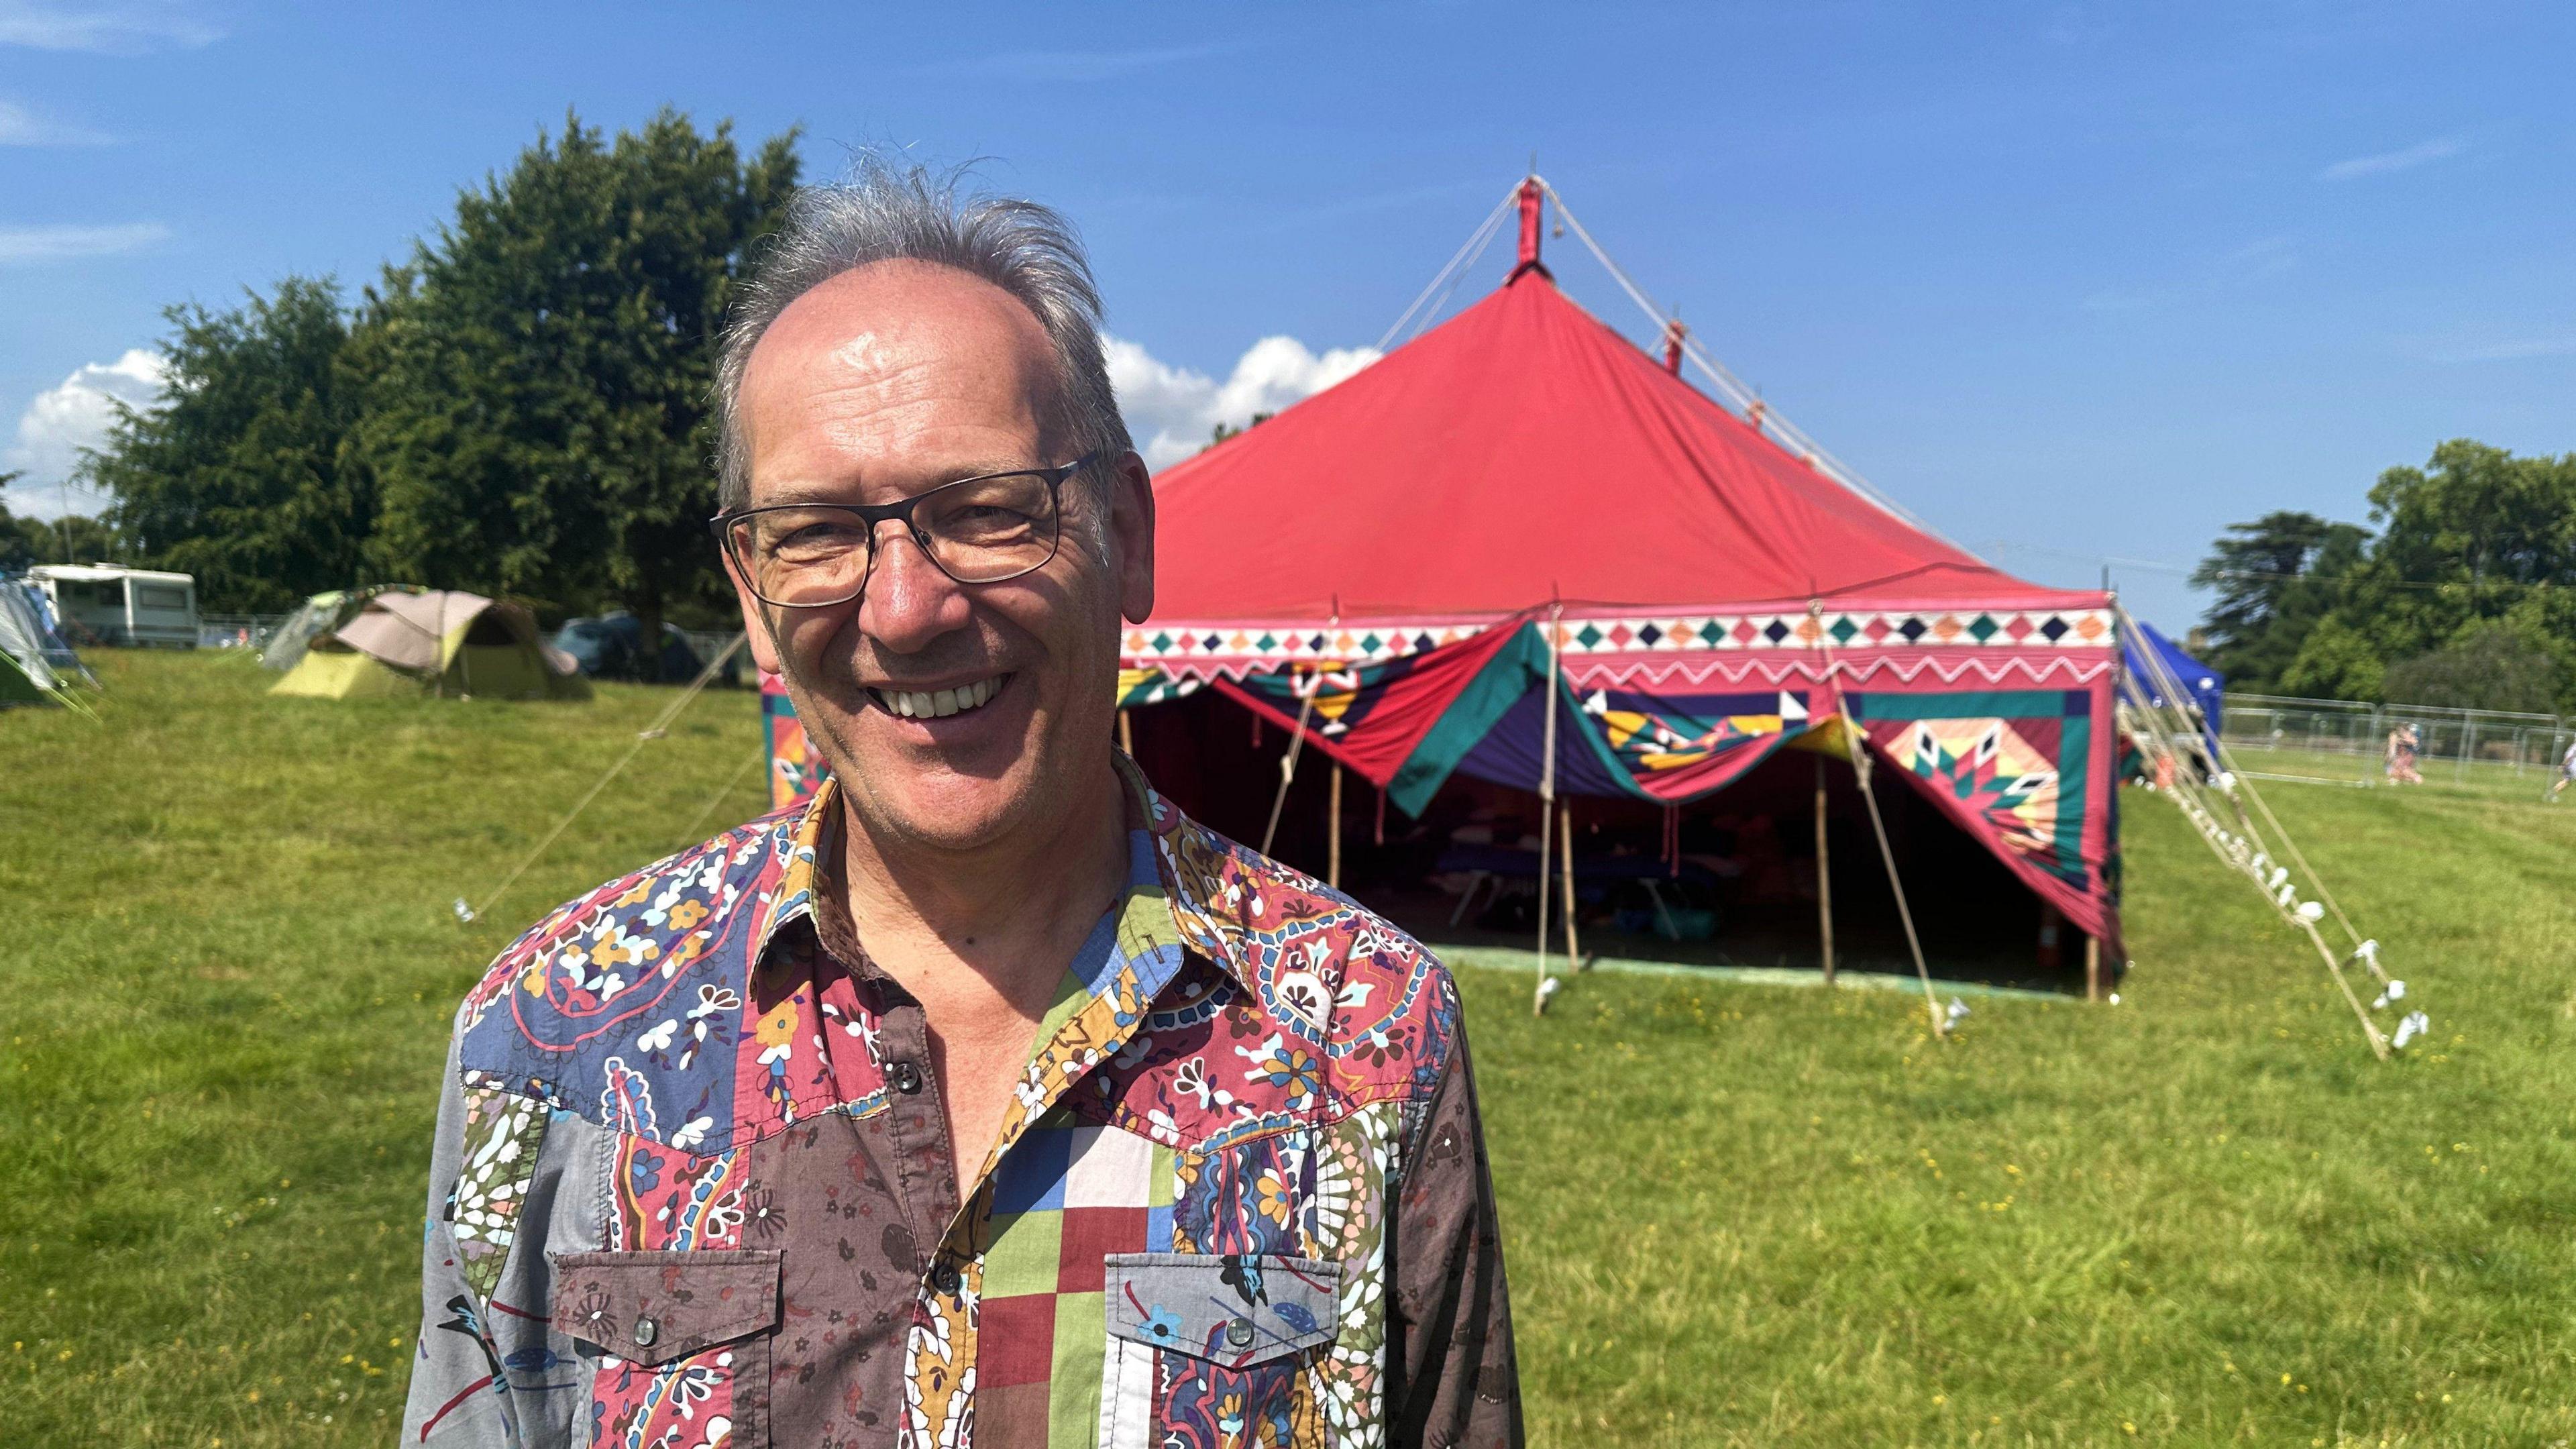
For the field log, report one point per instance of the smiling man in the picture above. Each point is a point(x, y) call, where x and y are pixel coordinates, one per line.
point(985, 1099)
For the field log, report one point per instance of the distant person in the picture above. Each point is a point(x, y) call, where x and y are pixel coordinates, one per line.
point(2403, 744)
point(985, 1098)
point(2566, 774)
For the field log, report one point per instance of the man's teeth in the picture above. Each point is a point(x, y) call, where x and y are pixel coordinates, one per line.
point(938, 703)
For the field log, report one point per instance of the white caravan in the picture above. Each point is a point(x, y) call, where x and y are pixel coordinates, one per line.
point(121, 605)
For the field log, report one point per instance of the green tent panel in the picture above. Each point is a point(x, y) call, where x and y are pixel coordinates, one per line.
point(414, 641)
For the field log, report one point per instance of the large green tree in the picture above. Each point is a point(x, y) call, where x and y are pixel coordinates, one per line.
point(2476, 537)
point(2490, 665)
point(2275, 578)
point(539, 423)
point(234, 474)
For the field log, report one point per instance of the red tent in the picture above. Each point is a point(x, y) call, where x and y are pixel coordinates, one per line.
point(1406, 558)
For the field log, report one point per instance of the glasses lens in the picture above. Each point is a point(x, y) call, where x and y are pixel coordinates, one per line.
point(802, 556)
point(983, 529)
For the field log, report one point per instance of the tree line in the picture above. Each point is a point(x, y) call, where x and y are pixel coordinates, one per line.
point(521, 406)
point(2461, 593)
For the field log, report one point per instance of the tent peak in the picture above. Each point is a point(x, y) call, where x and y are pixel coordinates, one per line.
point(1532, 203)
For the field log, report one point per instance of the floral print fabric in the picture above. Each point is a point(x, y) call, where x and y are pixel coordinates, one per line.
point(1253, 1097)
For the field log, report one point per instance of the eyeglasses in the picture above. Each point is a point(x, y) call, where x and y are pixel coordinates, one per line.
point(978, 530)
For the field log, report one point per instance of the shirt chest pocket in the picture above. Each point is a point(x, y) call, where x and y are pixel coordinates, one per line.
point(680, 1343)
point(1210, 1350)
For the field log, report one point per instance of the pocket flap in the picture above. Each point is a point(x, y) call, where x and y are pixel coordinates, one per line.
point(650, 1308)
point(1232, 1309)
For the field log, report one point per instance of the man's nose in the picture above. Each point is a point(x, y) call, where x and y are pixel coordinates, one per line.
point(910, 600)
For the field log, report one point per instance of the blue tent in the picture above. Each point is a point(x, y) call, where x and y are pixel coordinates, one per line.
point(2201, 682)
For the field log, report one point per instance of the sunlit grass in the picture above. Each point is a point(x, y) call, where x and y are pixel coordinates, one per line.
point(1735, 1214)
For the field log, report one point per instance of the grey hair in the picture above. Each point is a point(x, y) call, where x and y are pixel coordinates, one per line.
point(887, 211)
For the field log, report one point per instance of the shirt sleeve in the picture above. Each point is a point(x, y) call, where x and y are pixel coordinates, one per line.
point(458, 1397)
point(1453, 1381)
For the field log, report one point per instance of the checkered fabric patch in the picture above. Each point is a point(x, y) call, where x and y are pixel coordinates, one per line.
point(1065, 1197)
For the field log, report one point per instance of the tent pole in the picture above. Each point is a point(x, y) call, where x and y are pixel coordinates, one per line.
point(1287, 768)
point(2092, 968)
point(1565, 871)
point(1824, 876)
point(1333, 849)
point(1126, 735)
point(1887, 853)
point(1546, 800)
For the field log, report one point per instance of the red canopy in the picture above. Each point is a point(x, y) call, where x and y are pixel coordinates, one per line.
point(1523, 452)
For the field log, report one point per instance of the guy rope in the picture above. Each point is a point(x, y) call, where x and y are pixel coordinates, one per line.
point(660, 726)
point(2188, 763)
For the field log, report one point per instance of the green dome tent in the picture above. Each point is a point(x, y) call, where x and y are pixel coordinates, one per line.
point(412, 641)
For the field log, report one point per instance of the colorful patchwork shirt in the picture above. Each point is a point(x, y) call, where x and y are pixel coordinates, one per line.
point(692, 1184)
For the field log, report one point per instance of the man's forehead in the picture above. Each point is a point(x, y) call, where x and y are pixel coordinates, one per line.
point(897, 316)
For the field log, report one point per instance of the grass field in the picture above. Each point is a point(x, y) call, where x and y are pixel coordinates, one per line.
point(1735, 1213)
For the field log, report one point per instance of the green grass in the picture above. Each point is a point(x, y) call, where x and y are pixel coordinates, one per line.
point(1735, 1213)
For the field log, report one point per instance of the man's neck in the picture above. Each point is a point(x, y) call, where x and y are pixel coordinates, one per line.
point(1012, 912)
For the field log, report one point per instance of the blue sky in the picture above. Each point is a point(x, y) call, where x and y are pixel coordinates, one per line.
point(2072, 282)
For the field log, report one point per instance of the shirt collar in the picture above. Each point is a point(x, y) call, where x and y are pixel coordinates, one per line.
point(1184, 883)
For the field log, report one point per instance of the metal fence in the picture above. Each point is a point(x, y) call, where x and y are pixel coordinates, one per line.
point(237, 631)
point(2342, 740)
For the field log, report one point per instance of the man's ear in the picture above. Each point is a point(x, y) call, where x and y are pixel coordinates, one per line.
point(755, 624)
point(1131, 533)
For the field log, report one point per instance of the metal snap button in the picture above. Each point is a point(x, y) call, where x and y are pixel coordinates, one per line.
point(905, 1076)
point(646, 1330)
point(1239, 1333)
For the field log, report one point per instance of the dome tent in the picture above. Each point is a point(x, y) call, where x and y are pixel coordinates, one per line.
point(443, 641)
point(34, 660)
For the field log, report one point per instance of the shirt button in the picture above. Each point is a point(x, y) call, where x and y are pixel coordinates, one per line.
point(946, 1278)
point(646, 1330)
point(1239, 1333)
point(905, 1076)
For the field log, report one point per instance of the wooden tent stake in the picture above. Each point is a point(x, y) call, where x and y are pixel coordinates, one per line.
point(1565, 871)
point(1887, 853)
point(1547, 797)
point(1824, 876)
point(1287, 767)
point(1333, 847)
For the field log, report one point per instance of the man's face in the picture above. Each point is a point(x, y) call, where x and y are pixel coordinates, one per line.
point(882, 383)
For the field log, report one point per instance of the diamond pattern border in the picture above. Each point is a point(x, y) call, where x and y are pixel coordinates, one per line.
point(2058, 629)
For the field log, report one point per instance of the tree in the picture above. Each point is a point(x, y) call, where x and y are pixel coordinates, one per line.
point(2479, 535)
point(234, 474)
point(20, 538)
point(2490, 665)
point(75, 539)
point(540, 420)
point(2275, 579)
point(25, 542)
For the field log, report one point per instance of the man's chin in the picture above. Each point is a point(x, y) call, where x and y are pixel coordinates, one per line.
point(964, 816)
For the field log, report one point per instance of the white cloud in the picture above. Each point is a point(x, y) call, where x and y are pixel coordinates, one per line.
point(105, 29)
point(2422, 153)
point(1171, 411)
point(23, 246)
point(64, 420)
point(22, 127)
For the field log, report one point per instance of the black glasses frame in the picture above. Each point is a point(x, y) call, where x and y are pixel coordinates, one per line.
point(875, 514)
